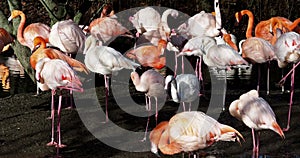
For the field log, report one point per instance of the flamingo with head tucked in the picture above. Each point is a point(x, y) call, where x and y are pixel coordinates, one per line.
point(26, 35)
point(56, 74)
point(256, 113)
point(287, 49)
point(188, 132)
point(68, 37)
point(105, 60)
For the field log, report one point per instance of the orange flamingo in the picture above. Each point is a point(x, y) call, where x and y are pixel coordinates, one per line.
point(256, 113)
point(255, 49)
point(188, 132)
point(43, 52)
point(27, 35)
point(149, 55)
point(56, 74)
point(5, 39)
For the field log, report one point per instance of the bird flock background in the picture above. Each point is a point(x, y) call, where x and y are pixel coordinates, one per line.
point(202, 37)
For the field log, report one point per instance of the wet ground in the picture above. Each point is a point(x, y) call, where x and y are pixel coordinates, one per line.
point(25, 129)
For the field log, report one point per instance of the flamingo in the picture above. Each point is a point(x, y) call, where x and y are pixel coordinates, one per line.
point(56, 75)
point(287, 49)
point(152, 83)
point(44, 52)
point(105, 60)
point(27, 35)
point(256, 113)
point(188, 132)
point(214, 56)
point(255, 49)
point(5, 39)
point(106, 29)
point(145, 19)
point(183, 88)
point(203, 24)
point(150, 55)
point(263, 30)
point(68, 37)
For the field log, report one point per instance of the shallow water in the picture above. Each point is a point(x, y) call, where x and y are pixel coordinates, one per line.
point(25, 129)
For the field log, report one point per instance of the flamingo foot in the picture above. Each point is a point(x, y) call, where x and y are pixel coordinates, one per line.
point(143, 140)
point(52, 143)
point(286, 129)
point(60, 145)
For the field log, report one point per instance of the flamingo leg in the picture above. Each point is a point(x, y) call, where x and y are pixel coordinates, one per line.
point(254, 141)
point(183, 105)
point(282, 86)
point(106, 97)
point(291, 99)
point(224, 91)
point(52, 142)
point(196, 69)
point(148, 120)
point(59, 145)
point(200, 72)
point(268, 78)
point(156, 110)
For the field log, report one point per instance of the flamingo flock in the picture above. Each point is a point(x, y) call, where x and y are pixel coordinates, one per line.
point(201, 36)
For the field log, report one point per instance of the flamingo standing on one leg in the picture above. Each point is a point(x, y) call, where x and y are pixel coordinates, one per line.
point(188, 132)
point(152, 83)
point(105, 60)
point(184, 88)
point(256, 113)
point(56, 74)
point(287, 49)
point(26, 35)
point(255, 49)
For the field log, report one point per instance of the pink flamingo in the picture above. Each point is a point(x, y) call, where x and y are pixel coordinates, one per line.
point(56, 75)
point(287, 49)
point(105, 60)
point(256, 113)
point(68, 37)
point(27, 35)
point(188, 132)
point(152, 83)
point(255, 49)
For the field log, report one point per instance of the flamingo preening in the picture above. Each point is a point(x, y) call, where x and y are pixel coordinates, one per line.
point(188, 132)
point(256, 113)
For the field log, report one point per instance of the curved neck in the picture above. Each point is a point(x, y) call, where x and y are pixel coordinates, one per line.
point(250, 22)
point(294, 24)
point(20, 35)
point(164, 17)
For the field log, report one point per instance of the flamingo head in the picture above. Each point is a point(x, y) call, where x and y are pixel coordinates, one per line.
point(14, 14)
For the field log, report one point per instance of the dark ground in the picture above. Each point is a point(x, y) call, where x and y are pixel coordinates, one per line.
point(25, 129)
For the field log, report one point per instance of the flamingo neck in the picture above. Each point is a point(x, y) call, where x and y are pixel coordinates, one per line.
point(294, 24)
point(250, 22)
point(20, 32)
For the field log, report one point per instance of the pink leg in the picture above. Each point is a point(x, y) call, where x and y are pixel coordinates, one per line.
point(148, 120)
point(156, 110)
point(254, 139)
point(59, 145)
point(52, 143)
point(291, 99)
point(200, 72)
point(284, 78)
point(268, 78)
